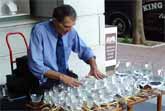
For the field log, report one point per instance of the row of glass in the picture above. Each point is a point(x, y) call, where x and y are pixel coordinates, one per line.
point(126, 81)
point(145, 73)
point(92, 92)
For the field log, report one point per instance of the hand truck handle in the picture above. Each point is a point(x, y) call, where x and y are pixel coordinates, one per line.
point(9, 46)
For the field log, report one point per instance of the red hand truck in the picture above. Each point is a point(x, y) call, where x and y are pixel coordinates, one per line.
point(8, 35)
point(21, 81)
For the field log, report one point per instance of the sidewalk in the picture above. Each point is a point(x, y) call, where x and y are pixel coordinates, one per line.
point(156, 55)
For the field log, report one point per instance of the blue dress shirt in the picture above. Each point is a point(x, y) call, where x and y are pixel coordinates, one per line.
point(42, 49)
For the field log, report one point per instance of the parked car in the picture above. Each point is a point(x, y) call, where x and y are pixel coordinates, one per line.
point(120, 13)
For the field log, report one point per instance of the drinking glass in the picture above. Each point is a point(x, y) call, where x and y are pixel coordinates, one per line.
point(100, 84)
point(36, 98)
point(157, 79)
point(48, 99)
point(147, 69)
point(161, 72)
point(142, 70)
point(123, 67)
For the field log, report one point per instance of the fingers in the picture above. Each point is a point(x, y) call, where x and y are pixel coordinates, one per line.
point(70, 81)
point(98, 75)
point(101, 76)
point(75, 83)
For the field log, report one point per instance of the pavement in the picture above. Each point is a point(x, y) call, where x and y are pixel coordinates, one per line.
point(154, 55)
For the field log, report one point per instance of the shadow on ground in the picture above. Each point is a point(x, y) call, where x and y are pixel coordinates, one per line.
point(147, 106)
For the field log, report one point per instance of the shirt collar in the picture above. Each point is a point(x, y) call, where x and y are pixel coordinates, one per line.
point(52, 28)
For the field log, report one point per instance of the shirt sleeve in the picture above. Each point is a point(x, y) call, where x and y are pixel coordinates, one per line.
point(35, 54)
point(79, 46)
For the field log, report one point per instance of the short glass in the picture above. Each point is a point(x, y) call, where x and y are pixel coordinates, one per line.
point(36, 98)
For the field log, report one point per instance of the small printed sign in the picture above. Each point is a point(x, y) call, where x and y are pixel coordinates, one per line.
point(110, 47)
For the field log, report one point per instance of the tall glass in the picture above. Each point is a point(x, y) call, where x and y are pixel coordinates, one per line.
point(142, 71)
point(123, 67)
point(161, 72)
point(157, 79)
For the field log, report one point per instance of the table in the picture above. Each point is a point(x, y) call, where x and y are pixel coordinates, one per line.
point(144, 96)
point(141, 97)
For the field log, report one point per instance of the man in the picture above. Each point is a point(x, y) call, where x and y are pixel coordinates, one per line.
point(47, 61)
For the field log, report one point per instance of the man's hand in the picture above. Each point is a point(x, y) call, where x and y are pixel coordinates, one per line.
point(64, 78)
point(70, 81)
point(96, 73)
point(94, 70)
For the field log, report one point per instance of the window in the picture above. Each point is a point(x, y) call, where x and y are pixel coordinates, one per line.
point(12, 8)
